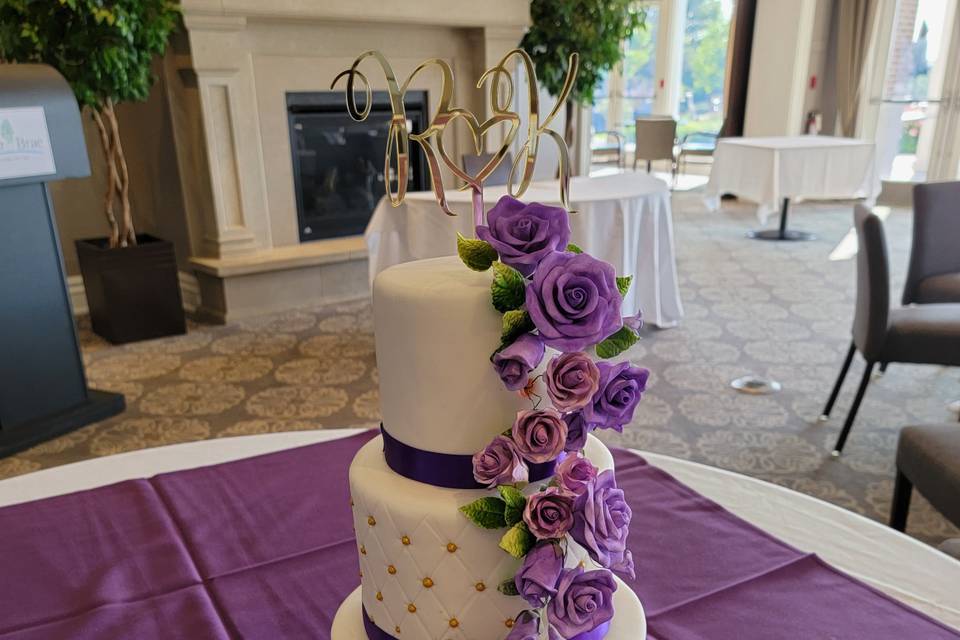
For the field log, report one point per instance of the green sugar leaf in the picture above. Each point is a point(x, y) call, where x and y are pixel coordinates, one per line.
point(513, 515)
point(517, 541)
point(486, 512)
point(476, 254)
point(515, 323)
point(507, 289)
point(623, 284)
point(512, 496)
point(617, 343)
point(572, 248)
point(508, 587)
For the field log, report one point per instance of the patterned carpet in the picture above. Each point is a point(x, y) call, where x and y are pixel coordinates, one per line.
point(774, 309)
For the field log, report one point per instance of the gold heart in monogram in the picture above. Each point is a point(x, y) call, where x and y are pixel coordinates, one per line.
point(477, 131)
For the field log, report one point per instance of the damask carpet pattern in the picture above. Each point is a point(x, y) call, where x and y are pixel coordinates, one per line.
point(781, 310)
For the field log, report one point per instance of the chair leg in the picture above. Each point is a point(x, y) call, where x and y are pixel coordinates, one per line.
point(902, 490)
point(649, 165)
point(634, 163)
point(836, 387)
point(883, 367)
point(853, 409)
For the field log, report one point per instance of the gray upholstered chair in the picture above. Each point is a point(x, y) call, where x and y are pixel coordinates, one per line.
point(928, 459)
point(934, 272)
point(472, 164)
point(926, 334)
point(656, 139)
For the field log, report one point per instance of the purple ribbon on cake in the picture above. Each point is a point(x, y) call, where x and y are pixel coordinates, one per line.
point(376, 633)
point(450, 470)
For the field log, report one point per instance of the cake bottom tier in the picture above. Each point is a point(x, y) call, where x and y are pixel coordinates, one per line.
point(427, 572)
point(628, 623)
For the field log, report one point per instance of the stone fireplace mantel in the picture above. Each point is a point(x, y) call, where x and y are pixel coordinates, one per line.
point(245, 55)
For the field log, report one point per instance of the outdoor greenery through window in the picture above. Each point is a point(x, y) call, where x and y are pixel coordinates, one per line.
point(629, 91)
point(705, 39)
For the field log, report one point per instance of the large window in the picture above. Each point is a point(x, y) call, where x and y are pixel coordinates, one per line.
point(705, 37)
point(912, 87)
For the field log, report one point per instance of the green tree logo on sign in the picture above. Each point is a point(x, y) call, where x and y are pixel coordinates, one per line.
point(6, 132)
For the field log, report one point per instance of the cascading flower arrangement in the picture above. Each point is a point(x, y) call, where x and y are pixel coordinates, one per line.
point(551, 294)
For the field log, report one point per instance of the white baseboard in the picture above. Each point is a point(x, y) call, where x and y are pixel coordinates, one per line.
point(189, 289)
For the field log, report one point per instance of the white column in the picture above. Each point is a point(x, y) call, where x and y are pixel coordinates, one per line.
point(239, 222)
point(669, 56)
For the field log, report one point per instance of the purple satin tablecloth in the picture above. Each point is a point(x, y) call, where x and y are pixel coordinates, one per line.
point(263, 548)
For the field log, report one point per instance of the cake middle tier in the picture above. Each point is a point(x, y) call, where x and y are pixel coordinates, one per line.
point(428, 572)
point(435, 330)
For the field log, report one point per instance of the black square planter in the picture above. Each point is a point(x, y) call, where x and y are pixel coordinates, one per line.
point(133, 292)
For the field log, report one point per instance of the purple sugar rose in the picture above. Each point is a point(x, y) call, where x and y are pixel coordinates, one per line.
point(584, 601)
point(573, 301)
point(523, 234)
point(515, 362)
point(525, 627)
point(499, 463)
point(575, 473)
point(537, 578)
point(621, 386)
point(602, 523)
point(549, 513)
point(577, 430)
point(539, 434)
point(572, 380)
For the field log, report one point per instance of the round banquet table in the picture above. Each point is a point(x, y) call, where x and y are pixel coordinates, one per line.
point(624, 219)
point(892, 562)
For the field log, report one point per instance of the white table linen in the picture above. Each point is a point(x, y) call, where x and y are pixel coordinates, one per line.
point(888, 560)
point(624, 219)
point(767, 170)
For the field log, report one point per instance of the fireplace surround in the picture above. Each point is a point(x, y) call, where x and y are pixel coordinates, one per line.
point(229, 91)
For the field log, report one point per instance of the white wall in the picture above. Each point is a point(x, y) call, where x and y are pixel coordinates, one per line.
point(783, 37)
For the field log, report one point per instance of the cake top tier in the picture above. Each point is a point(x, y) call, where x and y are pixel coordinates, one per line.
point(435, 330)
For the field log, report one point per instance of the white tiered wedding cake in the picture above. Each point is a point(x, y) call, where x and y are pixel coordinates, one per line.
point(427, 572)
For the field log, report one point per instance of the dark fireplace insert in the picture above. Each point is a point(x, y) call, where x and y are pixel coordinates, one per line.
point(338, 162)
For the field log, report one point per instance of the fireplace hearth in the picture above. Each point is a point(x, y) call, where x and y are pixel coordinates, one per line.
point(338, 167)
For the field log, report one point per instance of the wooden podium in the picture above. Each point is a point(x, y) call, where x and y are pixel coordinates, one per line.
point(43, 389)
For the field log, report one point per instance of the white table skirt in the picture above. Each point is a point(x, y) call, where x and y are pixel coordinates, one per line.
point(624, 219)
point(766, 170)
point(892, 562)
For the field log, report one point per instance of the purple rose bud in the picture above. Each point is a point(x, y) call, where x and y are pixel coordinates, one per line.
point(573, 301)
point(572, 380)
point(621, 386)
point(602, 523)
point(499, 463)
point(577, 430)
point(539, 434)
point(525, 627)
point(515, 361)
point(537, 578)
point(634, 322)
point(523, 234)
point(575, 473)
point(584, 601)
point(549, 513)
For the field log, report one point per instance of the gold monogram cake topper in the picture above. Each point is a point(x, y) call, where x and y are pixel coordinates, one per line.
point(501, 91)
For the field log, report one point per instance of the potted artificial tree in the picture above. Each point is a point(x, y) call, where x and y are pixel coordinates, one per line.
point(104, 48)
point(595, 29)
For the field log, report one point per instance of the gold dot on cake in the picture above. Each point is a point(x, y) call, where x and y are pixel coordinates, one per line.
point(391, 569)
point(405, 540)
point(451, 547)
point(371, 521)
point(454, 623)
point(412, 608)
point(351, 502)
point(427, 583)
point(363, 550)
point(509, 623)
point(480, 586)
point(379, 596)
point(396, 629)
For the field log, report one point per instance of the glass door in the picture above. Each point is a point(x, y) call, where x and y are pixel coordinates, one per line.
point(705, 38)
point(630, 89)
point(915, 111)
